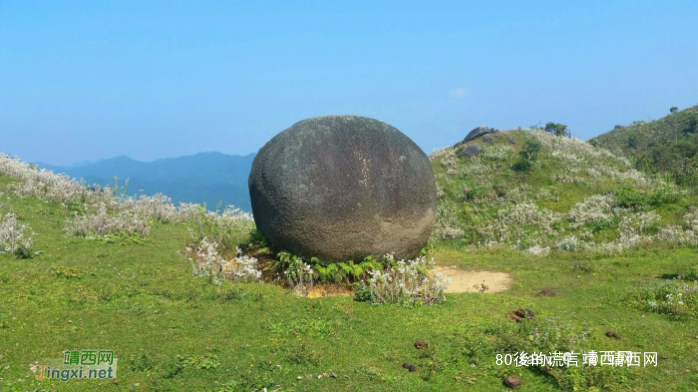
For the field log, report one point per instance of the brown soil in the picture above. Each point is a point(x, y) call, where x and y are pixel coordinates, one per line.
point(461, 282)
point(471, 281)
point(329, 291)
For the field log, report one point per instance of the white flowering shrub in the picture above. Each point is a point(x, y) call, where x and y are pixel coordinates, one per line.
point(40, 183)
point(676, 236)
point(109, 213)
point(15, 238)
point(691, 220)
point(404, 282)
point(513, 223)
point(674, 297)
point(101, 223)
point(573, 150)
point(497, 153)
point(572, 244)
point(227, 229)
point(596, 208)
point(538, 251)
point(158, 207)
point(447, 223)
point(299, 277)
point(207, 262)
point(484, 199)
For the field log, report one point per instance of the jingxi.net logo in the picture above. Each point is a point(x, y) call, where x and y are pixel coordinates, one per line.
point(80, 364)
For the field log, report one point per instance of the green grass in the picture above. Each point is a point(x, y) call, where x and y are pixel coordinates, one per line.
point(565, 173)
point(667, 145)
point(171, 331)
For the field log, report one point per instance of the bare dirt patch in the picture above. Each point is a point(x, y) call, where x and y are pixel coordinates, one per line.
point(329, 291)
point(471, 281)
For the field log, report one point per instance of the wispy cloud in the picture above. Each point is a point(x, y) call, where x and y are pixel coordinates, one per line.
point(459, 93)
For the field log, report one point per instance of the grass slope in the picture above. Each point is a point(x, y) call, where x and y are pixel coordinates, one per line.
point(174, 332)
point(667, 145)
point(573, 197)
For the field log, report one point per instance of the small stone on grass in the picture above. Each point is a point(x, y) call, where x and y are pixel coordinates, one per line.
point(420, 345)
point(512, 381)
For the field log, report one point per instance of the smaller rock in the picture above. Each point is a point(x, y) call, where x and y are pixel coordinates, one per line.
point(471, 150)
point(546, 293)
point(664, 357)
point(299, 378)
point(308, 376)
point(410, 367)
point(325, 375)
point(476, 133)
point(512, 381)
point(319, 376)
point(512, 140)
point(613, 335)
point(487, 139)
point(520, 314)
point(420, 345)
point(334, 375)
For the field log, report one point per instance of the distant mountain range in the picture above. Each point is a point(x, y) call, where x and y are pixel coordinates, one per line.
point(209, 177)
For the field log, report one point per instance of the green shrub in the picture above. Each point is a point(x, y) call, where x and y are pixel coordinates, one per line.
point(673, 297)
point(522, 165)
point(557, 129)
point(530, 149)
point(690, 274)
point(686, 149)
point(628, 198)
point(632, 141)
point(692, 124)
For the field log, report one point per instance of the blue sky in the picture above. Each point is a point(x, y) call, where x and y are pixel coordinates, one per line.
point(84, 80)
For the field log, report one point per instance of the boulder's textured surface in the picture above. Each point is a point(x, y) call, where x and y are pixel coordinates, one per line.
point(343, 187)
point(482, 130)
point(487, 139)
point(471, 150)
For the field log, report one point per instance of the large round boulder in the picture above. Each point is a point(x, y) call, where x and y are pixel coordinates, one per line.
point(342, 188)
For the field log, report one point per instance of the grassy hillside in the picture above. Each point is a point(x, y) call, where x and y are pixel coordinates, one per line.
point(559, 195)
point(131, 289)
point(667, 145)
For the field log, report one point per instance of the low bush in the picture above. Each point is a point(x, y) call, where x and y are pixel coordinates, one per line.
point(674, 297)
point(15, 238)
point(101, 223)
point(627, 198)
point(404, 283)
point(206, 262)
